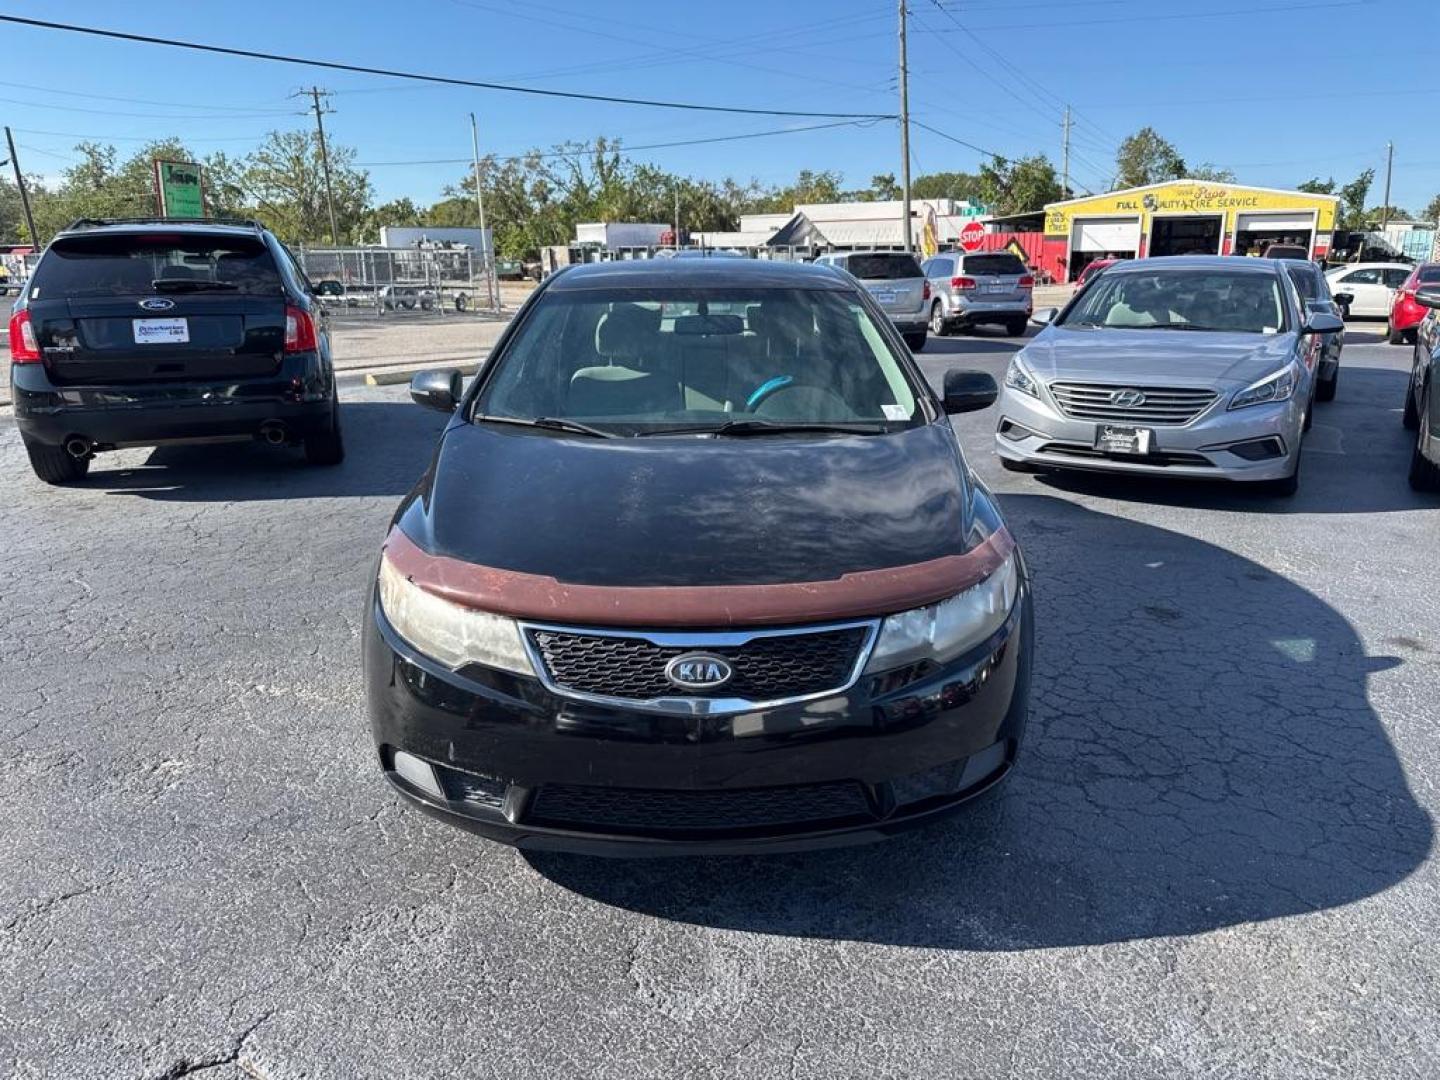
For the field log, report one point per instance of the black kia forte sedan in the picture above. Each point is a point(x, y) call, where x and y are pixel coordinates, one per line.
point(698, 565)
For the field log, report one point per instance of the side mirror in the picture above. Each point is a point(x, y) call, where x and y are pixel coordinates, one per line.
point(969, 391)
point(1045, 316)
point(1428, 297)
point(440, 390)
point(1343, 298)
point(1321, 323)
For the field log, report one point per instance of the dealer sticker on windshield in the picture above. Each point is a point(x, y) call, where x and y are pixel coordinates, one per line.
point(161, 331)
point(1117, 439)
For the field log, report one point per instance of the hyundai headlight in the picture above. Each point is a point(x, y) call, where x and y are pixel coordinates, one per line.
point(1277, 387)
point(1018, 377)
point(446, 632)
point(941, 632)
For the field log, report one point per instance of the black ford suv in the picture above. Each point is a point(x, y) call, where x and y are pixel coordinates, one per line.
point(141, 332)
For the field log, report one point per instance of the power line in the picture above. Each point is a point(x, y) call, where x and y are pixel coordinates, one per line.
point(140, 138)
point(952, 138)
point(333, 65)
point(145, 116)
point(1199, 14)
point(249, 109)
point(622, 148)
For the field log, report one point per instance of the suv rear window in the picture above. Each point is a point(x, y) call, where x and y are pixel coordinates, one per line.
point(883, 266)
point(1305, 283)
point(1429, 275)
point(999, 263)
point(140, 264)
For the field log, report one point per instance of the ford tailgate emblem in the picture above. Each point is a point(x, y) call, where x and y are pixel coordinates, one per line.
point(157, 303)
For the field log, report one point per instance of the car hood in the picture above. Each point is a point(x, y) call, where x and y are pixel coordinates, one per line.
point(691, 511)
point(1156, 357)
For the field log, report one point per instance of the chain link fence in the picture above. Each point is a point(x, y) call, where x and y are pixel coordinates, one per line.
point(402, 282)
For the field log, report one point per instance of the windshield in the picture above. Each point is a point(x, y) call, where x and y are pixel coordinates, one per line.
point(630, 361)
point(1222, 300)
point(882, 266)
point(131, 264)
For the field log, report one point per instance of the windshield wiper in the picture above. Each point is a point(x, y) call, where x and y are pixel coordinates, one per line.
point(191, 285)
point(549, 423)
point(771, 427)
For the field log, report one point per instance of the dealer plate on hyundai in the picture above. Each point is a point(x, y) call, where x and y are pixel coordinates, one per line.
point(161, 331)
point(1118, 439)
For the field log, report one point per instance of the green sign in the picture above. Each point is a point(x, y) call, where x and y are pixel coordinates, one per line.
point(179, 188)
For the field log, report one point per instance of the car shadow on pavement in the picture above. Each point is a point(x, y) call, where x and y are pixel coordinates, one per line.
point(1356, 459)
point(1201, 754)
point(387, 447)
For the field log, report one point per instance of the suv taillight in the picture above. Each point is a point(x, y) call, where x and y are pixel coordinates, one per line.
point(962, 283)
point(299, 330)
point(1027, 281)
point(24, 348)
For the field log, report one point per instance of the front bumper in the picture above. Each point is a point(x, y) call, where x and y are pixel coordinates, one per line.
point(1034, 432)
point(913, 322)
point(522, 765)
point(297, 395)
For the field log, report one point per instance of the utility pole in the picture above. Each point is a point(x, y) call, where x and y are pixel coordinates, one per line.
point(315, 95)
point(905, 138)
point(1389, 162)
point(24, 194)
point(492, 287)
point(677, 220)
point(1065, 157)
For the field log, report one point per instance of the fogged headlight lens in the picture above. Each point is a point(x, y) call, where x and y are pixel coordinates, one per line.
point(1018, 377)
point(446, 632)
point(943, 631)
point(1277, 387)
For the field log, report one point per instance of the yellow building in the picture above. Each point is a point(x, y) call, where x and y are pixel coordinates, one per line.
point(1184, 217)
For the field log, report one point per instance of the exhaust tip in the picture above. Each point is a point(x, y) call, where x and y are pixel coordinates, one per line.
point(273, 432)
point(78, 448)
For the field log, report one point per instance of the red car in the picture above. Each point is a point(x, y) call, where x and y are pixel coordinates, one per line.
point(1405, 313)
point(1094, 267)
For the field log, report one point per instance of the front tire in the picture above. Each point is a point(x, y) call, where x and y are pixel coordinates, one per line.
point(54, 464)
point(1016, 327)
point(327, 447)
point(1410, 416)
point(1424, 473)
point(1393, 336)
point(915, 342)
point(1325, 389)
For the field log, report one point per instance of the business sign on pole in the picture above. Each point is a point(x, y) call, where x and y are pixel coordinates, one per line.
point(179, 189)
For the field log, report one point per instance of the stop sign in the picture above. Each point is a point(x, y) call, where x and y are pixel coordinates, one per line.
point(972, 235)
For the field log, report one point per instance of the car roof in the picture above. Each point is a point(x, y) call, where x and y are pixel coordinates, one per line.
point(1369, 266)
point(186, 227)
point(1300, 264)
point(1164, 263)
point(698, 274)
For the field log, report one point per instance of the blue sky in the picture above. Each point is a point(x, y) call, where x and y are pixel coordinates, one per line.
point(1278, 90)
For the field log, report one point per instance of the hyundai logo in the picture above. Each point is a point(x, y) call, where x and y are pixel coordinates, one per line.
point(157, 303)
point(699, 671)
point(1127, 399)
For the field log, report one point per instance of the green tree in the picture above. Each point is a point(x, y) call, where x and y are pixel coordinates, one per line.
point(1352, 201)
point(1432, 210)
point(961, 186)
point(1212, 173)
point(1018, 187)
point(1316, 186)
point(284, 179)
point(1147, 158)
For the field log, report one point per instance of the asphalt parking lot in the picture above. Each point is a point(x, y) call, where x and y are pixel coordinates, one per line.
point(1215, 858)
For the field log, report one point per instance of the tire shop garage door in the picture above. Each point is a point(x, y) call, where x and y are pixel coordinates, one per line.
point(1106, 234)
point(1251, 229)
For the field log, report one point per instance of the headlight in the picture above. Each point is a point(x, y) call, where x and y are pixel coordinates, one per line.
point(446, 632)
point(1018, 377)
point(943, 631)
point(1277, 387)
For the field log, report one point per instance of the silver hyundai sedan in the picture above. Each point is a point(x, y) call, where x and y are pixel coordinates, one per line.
point(1197, 366)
